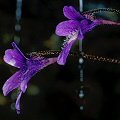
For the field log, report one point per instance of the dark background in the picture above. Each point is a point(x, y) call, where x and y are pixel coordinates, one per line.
point(53, 92)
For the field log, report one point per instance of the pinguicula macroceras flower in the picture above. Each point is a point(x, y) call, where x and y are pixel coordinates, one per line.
point(75, 28)
point(28, 68)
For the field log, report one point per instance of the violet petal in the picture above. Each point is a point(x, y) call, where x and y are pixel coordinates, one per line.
point(23, 85)
point(16, 47)
point(14, 58)
point(63, 55)
point(71, 13)
point(17, 106)
point(12, 83)
point(80, 35)
point(67, 27)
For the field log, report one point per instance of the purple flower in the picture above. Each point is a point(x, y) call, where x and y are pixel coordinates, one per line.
point(75, 29)
point(28, 68)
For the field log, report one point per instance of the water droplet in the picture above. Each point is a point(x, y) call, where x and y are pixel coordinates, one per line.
point(17, 39)
point(19, 0)
point(81, 60)
point(81, 79)
point(13, 96)
point(81, 107)
point(81, 95)
point(17, 27)
point(12, 106)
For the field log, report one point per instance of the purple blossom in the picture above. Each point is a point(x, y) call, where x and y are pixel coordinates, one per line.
point(28, 68)
point(75, 29)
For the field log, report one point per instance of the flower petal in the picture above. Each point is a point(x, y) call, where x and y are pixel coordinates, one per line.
point(17, 106)
point(80, 34)
point(15, 57)
point(12, 83)
point(16, 47)
point(22, 77)
point(71, 13)
point(67, 46)
point(63, 55)
point(23, 85)
point(67, 27)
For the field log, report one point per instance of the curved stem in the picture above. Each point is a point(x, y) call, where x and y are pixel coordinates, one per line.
point(101, 10)
point(77, 54)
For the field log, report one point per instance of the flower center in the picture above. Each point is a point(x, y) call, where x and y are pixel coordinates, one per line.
point(73, 35)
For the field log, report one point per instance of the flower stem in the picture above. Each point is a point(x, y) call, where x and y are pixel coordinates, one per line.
point(102, 10)
point(77, 54)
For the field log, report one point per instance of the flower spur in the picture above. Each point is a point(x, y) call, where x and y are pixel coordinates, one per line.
point(75, 28)
point(28, 68)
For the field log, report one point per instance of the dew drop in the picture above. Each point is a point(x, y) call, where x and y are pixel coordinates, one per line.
point(81, 107)
point(81, 60)
point(81, 95)
point(81, 79)
point(17, 27)
point(12, 106)
point(17, 39)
